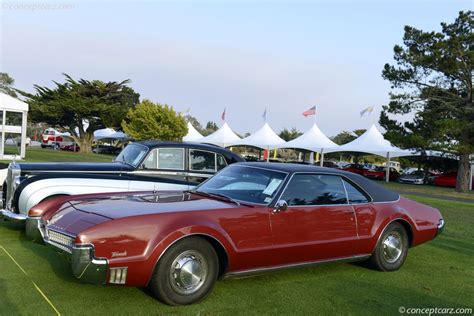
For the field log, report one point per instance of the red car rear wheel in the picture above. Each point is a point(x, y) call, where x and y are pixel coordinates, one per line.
point(392, 248)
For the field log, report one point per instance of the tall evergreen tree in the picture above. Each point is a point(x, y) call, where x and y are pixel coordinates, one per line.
point(432, 78)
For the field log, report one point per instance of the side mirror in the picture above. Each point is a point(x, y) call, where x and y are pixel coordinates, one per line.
point(280, 206)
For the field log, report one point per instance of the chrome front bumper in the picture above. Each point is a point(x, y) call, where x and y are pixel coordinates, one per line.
point(85, 266)
point(9, 215)
point(441, 225)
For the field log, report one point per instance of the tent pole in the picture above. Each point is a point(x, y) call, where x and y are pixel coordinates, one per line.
point(387, 172)
point(268, 154)
point(471, 182)
point(321, 161)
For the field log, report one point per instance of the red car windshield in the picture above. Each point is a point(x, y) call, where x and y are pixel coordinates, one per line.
point(246, 184)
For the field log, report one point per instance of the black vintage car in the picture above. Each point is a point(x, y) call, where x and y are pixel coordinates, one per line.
point(141, 166)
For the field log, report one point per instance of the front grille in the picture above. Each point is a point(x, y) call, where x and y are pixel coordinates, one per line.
point(61, 241)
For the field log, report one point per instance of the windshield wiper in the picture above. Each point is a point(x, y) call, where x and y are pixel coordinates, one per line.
point(215, 195)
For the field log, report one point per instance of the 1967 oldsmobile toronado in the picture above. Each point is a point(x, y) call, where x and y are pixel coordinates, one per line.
point(250, 217)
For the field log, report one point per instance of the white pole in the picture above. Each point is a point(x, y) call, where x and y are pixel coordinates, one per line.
point(387, 172)
point(321, 161)
point(24, 120)
point(471, 175)
point(268, 154)
point(4, 118)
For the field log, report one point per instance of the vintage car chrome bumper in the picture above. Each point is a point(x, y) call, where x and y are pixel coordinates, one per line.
point(9, 215)
point(441, 225)
point(85, 266)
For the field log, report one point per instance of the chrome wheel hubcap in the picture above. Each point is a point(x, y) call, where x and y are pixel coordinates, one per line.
point(188, 272)
point(392, 247)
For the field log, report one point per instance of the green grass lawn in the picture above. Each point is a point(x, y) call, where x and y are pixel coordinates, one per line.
point(427, 189)
point(38, 154)
point(436, 274)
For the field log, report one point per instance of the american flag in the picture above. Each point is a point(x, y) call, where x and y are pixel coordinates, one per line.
point(309, 112)
point(223, 115)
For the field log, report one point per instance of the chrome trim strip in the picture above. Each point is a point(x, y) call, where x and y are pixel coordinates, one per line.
point(73, 171)
point(12, 216)
point(149, 172)
point(242, 273)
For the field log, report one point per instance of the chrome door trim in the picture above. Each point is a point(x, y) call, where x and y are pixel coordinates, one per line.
point(247, 272)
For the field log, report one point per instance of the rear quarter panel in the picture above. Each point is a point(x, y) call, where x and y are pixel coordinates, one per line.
point(373, 218)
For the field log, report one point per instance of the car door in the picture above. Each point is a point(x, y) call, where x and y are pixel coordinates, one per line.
point(318, 223)
point(366, 215)
point(162, 169)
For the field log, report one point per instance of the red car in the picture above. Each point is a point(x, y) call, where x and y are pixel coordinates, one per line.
point(354, 168)
point(379, 173)
point(448, 179)
point(249, 218)
point(51, 138)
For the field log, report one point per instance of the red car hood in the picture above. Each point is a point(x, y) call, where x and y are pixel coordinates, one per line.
point(144, 204)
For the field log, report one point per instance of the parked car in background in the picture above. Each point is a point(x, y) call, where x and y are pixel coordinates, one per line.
point(354, 168)
point(149, 165)
point(52, 138)
point(447, 179)
point(415, 177)
point(249, 218)
point(71, 147)
point(379, 173)
point(106, 149)
point(327, 164)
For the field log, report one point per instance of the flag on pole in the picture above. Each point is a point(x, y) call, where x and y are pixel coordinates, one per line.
point(367, 111)
point(265, 115)
point(309, 112)
point(185, 112)
point(223, 116)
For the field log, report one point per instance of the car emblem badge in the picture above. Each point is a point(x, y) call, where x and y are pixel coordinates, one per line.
point(119, 254)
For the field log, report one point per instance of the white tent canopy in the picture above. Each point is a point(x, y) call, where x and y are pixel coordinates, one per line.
point(373, 142)
point(109, 133)
point(264, 138)
point(192, 135)
point(312, 140)
point(223, 137)
point(103, 133)
point(10, 104)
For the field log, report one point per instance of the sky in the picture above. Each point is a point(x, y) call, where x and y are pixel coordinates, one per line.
point(244, 56)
